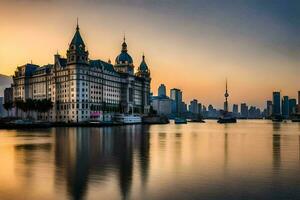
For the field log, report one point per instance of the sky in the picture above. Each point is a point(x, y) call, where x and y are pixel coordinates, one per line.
point(193, 45)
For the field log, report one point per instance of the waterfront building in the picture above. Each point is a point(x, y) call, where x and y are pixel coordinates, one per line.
point(276, 111)
point(285, 107)
point(254, 113)
point(244, 111)
point(162, 105)
point(269, 109)
point(162, 91)
point(183, 107)
point(176, 96)
point(235, 110)
point(81, 88)
point(212, 112)
point(194, 107)
point(292, 106)
point(200, 108)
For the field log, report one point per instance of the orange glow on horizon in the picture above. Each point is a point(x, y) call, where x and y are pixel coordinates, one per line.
point(195, 59)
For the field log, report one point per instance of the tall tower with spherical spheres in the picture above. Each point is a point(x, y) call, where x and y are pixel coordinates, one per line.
point(226, 97)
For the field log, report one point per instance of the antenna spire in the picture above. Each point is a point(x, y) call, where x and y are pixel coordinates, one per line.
point(226, 85)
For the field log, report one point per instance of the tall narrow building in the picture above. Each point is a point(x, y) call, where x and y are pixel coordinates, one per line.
point(226, 99)
point(276, 111)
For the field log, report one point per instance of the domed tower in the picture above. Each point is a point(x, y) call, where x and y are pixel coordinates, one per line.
point(124, 62)
point(76, 54)
point(143, 70)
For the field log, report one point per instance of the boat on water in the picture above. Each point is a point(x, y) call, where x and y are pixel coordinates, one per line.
point(197, 120)
point(295, 118)
point(277, 118)
point(128, 118)
point(180, 121)
point(227, 118)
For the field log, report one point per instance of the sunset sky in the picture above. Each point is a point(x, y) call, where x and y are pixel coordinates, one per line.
point(192, 44)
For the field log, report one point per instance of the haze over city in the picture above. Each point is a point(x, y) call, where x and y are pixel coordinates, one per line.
point(192, 45)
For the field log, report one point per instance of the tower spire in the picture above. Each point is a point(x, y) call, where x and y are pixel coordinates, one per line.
point(77, 25)
point(226, 96)
point(124, 45)
point(226, 86)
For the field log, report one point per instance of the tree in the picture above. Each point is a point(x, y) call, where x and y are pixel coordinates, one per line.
point(20, 104)
point(43, 106)
point(30, 104)
point(8, 106)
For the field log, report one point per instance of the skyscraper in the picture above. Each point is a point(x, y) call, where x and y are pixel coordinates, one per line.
point(285, 107)
point(176, 96)
point(162, 90)
point(276, 104)
point(244, 110)
point(235, 110)
point(269, 109)
point(194, 107)
point(292, 106)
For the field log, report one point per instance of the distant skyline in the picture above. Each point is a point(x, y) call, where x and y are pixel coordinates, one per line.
point(192, 45)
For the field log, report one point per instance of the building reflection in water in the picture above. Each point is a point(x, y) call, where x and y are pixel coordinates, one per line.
point(84, 152)
point(276, 147)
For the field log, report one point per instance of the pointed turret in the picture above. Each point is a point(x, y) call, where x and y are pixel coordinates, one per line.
point(77, 39)
point(77, 52)
point(143, 69)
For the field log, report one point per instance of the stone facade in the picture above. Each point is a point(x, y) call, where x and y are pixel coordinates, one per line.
point(82, 89)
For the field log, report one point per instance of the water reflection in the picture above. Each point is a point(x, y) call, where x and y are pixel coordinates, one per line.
point(276, 147)
point(82, 153)
point(247, 160)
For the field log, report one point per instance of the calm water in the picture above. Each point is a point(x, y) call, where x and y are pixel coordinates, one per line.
point(248, 160)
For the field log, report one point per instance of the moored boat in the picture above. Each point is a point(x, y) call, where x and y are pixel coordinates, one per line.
point(180, 120)
point(128, 118)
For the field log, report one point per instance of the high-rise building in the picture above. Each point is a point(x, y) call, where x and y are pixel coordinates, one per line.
point(193, 108)
point(285, 107)
point(292, 106)
point(276, 111)
point(269, 109)
point(235, 110)
point(176, 96)
point(162, 90)
point(163, 105)
point(200, 108)
point(244, 110)
point(183, 107)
